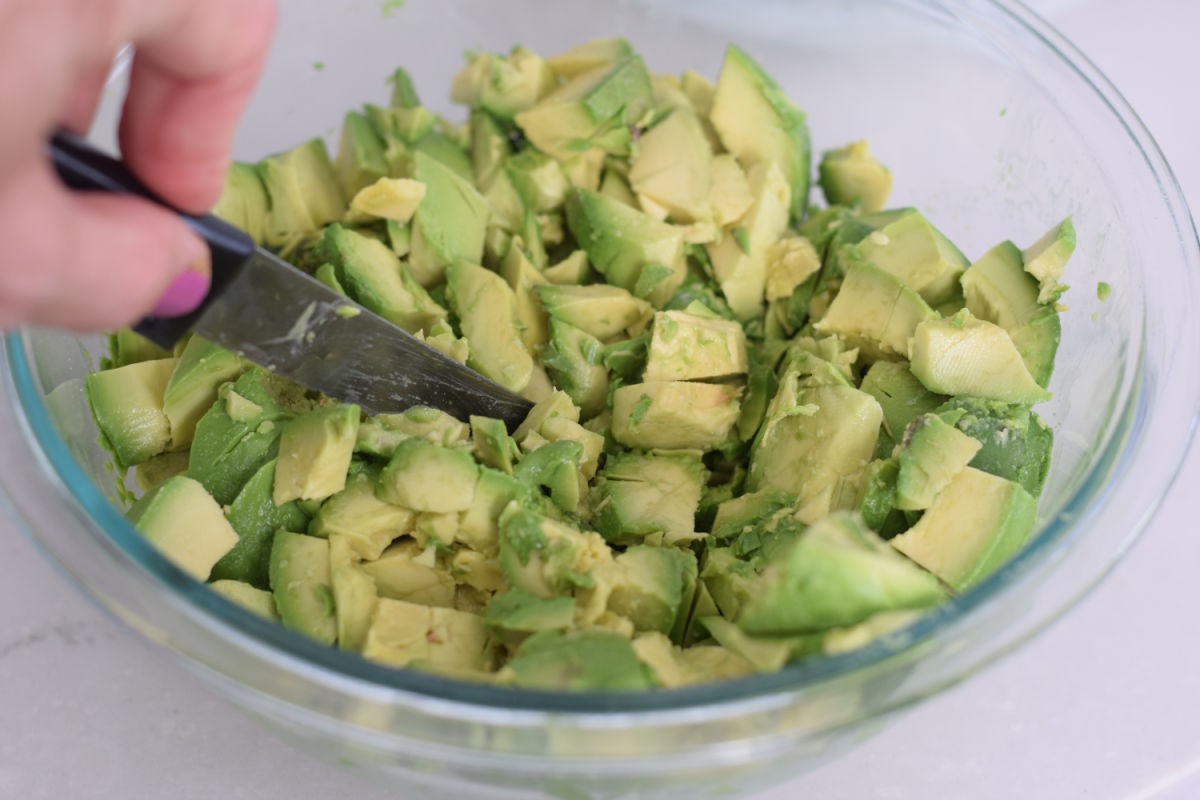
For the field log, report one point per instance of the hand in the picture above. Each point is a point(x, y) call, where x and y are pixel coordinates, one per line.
point(89, 262)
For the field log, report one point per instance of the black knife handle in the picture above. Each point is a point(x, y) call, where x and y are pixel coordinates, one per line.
point(81, 166)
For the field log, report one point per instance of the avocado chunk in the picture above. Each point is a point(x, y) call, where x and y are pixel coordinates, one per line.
point(243, 202)
point(578, 661)
point(524, 278)
point(593, 109)
point(487, 309)
point(600, 310)
point(837, 573)
point(404, 633)
point(355, 514)
point(918, 254)
point(573, 269)
point(673, 167)
point(255, 600)
point(354, 594)
point(503, 85)
point(740, 267)
point(649, 496)
point(394, 199)
point(546, 557)
point(976, 524)
point(653, 587)
point(125, 346)
point(493, 447)
point(375, 277)
point(425, 477)
point(902, 397)
point(538, 179)
point(850, 176)
point(965, 355)
point(127, 405)
point(1046, 259)
point(192, 388)
point(589, 55)
point(632, 249)
point(931, 454)
point(304, 191)
point(767, 654)
point(406, 572)
point(555, 466)
point(360, 158)
point(448, 225)
point(1015, 442)
point(759, 124)
point(686, 346)
point(674, 415)
point(743, 514)
point(518, 611)
point(1000, 291)
point(877, 499)
point(302, 585)
point(573, 360)
point(185, 524)
point(479, 526)
point(875, 312)
point(315, 452)
point(255, 517)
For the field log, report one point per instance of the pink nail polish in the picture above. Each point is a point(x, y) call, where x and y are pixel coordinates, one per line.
point(183, 295)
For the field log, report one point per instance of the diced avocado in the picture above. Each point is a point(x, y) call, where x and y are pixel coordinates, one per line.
point(1046, 259)
point(729, 194)
point(614, 185)
point(600, 310)
point(493, 447)
point(843, 640)
point(686, 346)
point(400, 128)
point(255, 517)
point(744, 513)
point(367, 523)
point(155, 470)
point(301, 584)
point(759, 124)
point(489, 147)
point(559, 404)
point(790, 262)
point(449, 223)
point(243, 202)
point(402, 573)
point(673, 167)
point(573, 359)
point(360, 159)
point(354, 594)
point(524, 279)
point(767, 654)
point(447, 150)
point(623, 243)
point(555, 466)
point(192, 389)
point(589, 55)
point(547, 557)
point(644, 495)
point(877, 499)
point(518, 611)
point(999, 290)
point(479, 526)
point(327, 274)
point(674, 414)
point(185, 524)
point(127, 405)
point(375, 277)
point(560, 429)
point(431, 424)
point(256, 601)
point(573, 269)
point(976, 524)
point(394, 199)
point(761, 384)
point(315, 452)
point(902, 397)
point(730, 582)
point(1016, 443)
point(487, 310)
point(742, 270)
point(503, 85)
point(585, 169)
point(125, 346)
point(931, 454)
point(424, 477)
point(227, 451)
point(441, 338)
point(304, 191)
point(652, 587)
point(578, 661)
point(594, 108)
point(538, 179)
point(965, 355)
point(850, 175)
point(404, 94)
point(875, 312)
point(837, 573)
point(918, 254)
point(438, 638)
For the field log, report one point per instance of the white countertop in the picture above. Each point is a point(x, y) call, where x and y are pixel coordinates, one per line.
point(1103, 705)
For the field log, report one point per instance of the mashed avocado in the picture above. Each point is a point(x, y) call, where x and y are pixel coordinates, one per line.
point(764, 430)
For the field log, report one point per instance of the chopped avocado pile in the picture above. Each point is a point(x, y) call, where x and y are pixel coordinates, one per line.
point(763, 430)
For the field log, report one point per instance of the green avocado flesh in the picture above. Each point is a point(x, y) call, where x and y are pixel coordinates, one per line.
point(764, 430)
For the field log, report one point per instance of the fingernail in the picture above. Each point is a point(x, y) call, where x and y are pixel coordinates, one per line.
point(184, 294)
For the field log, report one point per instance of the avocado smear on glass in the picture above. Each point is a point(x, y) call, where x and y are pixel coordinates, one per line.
point(763, 431)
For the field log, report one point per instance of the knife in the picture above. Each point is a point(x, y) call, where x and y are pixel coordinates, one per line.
point(274, 315)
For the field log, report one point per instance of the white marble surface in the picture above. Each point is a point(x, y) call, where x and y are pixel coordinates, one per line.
point(1101, 706)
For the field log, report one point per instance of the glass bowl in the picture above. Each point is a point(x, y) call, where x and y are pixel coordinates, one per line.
point(991, 124)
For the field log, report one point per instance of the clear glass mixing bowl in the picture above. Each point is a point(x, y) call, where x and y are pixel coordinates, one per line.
point(990, 122)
